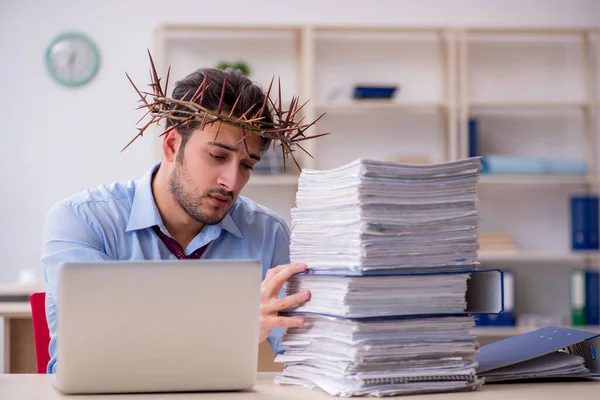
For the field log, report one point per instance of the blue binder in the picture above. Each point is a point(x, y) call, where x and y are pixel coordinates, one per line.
point(507, 316)
point(584, 222)
point(592, 298)
point(484, 296)
point(473, 137)
point(523, 348)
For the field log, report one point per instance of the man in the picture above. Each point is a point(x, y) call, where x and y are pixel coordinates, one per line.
point(187, 206)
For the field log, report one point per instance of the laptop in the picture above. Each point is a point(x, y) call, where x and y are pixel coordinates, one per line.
point(157, 326)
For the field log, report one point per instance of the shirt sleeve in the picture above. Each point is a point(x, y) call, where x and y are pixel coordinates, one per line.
point(281, 256)
point(68, 236)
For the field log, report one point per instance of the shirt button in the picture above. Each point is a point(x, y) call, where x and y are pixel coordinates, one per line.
point(171, 257)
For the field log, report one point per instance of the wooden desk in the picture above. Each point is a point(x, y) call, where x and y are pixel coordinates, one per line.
point(38, 387)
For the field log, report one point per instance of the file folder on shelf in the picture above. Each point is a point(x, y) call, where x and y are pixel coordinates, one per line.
point(592, 297)
point(547, 353)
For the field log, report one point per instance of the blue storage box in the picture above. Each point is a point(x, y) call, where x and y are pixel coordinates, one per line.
point(374, 92)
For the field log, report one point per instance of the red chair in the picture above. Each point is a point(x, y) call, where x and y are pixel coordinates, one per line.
point(41, 333)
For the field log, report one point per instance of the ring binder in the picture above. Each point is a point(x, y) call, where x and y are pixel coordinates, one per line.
point(548, 352)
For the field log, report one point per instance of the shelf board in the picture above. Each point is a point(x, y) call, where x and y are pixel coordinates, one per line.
point(15, 309)
point(535, 256)
point(507, 331)
point(529, 105)
point(21, 289)
point(378, 28)
point(367, 105)
point(535, 179)
point(273, 180)
point(499, 30)
point(175, 30)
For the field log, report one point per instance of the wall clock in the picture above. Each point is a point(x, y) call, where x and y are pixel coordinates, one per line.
point(72, 59)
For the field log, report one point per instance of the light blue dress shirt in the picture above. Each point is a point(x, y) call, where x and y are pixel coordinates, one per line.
point(114, 222)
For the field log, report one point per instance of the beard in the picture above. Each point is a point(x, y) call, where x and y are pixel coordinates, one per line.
point(193, 203)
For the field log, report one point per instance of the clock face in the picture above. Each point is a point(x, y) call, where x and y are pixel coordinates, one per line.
point(72, 59)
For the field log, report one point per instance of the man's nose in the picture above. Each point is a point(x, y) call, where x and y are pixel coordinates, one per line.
point(229, 178)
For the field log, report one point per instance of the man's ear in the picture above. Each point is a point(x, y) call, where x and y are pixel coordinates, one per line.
point(170, 145)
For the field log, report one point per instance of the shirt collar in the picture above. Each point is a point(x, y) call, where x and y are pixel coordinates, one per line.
point(144, 213)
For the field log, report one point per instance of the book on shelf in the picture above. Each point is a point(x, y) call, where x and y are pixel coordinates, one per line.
point(391, 251)
point(410, 159)
point(496, 242)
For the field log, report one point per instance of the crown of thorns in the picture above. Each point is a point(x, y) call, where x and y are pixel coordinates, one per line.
point(285, 130)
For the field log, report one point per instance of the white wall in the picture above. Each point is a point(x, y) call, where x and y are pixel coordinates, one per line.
point(57, 141)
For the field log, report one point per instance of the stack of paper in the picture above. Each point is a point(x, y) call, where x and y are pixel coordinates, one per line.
point(369, 216)
point(381, 296)
point(388, 248)
point(380, 356)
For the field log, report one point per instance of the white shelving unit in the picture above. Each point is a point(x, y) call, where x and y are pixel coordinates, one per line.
point(531, 88)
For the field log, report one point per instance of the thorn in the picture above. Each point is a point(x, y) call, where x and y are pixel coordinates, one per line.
point(132, 140)
point(289, 114)
point(155, 73)
point(262, 109)
point(314, 122)
point(247, 111)
point(167, 81)
point(144, 116)
point(245, 143)
point(216, 134)
point(170, 129)
point(301, 107)
point(220, 107)
point(312, 137)
point(302, 148)
point(234, 104)
point(280, 108)
point(136, 89)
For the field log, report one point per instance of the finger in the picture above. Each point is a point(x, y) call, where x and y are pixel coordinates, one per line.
point(285, 322)
point(286, 302)
point(272, 287)
point(274, 271)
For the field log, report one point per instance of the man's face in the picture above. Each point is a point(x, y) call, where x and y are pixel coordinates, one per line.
point(208, 176)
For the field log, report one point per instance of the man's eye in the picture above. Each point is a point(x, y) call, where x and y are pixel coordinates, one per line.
point(217, 157)
point(250, 167)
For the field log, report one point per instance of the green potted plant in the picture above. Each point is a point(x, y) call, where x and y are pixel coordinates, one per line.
point(239, 65)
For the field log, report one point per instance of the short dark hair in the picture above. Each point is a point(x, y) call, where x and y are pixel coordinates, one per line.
point(250, 95)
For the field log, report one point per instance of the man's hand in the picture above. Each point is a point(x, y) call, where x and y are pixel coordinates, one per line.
point(270, 304)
